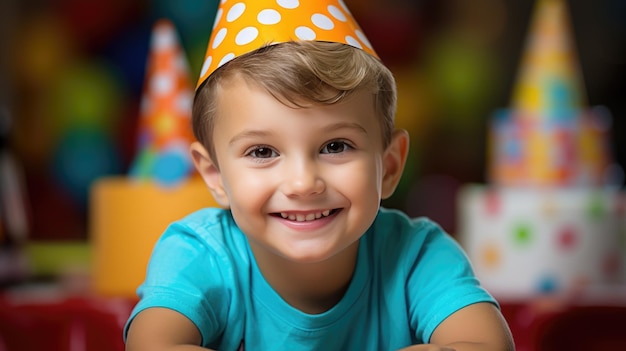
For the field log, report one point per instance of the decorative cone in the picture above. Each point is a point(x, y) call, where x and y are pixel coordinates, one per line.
point(549, 136)
point(165, 117)
point(549, 83)
point(244, 26)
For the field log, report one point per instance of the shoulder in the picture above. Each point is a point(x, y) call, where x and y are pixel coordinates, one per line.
point(206, 240)
point(407, 248)
point(429, 266)
point(426, 256)
point(195, 268)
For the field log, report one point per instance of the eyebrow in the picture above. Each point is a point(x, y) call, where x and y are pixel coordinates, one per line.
point(248, 134)
point(253, 133)
point(346, 125)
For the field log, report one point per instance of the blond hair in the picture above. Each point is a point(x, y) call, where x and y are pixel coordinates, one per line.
point(301, 74)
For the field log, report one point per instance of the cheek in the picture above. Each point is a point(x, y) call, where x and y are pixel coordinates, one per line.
point(246, 189)
point(363, 180)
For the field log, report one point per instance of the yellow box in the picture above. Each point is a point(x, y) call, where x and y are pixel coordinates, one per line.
point(126, 217)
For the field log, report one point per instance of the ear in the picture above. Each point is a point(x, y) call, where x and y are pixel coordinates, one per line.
point(210, 173)
point(394, 160)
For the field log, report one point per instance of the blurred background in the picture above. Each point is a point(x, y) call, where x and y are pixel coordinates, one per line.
point(72, 75)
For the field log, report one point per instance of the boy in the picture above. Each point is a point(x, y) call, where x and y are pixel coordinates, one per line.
point(296, 141)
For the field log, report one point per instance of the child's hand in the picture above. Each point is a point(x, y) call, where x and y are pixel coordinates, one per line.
point(427, 347)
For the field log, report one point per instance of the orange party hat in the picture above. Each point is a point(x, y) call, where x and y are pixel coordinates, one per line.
point(165, 118)
point(242, 26)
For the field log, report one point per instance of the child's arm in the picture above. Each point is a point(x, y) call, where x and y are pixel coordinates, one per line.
point(476, 327)
point(161, 329)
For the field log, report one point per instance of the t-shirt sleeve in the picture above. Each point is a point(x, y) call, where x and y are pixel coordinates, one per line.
point(185, 274)
point(440, 282)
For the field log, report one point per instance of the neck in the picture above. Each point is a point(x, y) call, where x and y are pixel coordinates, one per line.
point(310, 287)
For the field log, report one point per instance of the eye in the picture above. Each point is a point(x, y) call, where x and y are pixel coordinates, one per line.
point(261, 152)
point(335, 147)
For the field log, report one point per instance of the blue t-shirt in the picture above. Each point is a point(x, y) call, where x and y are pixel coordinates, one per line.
point(410, 275)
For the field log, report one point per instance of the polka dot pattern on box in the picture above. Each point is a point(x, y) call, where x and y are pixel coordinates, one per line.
point(538, 241)
point(491, 256)
point(567, 238)
point(244, 26)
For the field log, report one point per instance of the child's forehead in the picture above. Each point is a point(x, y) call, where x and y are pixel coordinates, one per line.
point(281, 92)
point(239, 94)
point(235, 82)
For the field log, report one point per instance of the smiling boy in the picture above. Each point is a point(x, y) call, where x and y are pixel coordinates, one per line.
point(296, 142)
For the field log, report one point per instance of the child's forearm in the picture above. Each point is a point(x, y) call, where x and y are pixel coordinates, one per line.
point(461, 346)
point(475, 346)
point(162, 329)
point(427, 347)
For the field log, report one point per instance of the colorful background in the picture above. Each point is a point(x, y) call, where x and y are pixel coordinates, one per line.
point(72, 87)
point(72, 72)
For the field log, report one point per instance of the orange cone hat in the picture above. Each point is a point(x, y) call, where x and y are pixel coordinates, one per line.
point(165, 118)
point(242, 26)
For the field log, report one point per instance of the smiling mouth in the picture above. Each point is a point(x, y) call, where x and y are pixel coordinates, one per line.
point(306, 217)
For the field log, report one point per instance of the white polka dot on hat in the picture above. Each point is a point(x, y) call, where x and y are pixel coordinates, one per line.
point(242, 26)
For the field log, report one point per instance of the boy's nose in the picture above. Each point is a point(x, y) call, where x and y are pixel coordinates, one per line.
point(303, 179)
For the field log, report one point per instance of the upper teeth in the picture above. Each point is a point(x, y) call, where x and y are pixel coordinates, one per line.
point(304, 217)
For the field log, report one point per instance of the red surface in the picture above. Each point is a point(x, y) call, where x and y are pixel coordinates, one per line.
point(94, 324)
point(68, 324)
point(550, 324)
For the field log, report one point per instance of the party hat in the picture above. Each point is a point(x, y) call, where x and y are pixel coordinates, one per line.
point(246, 25)
point(165, 117)
point(549, 83)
